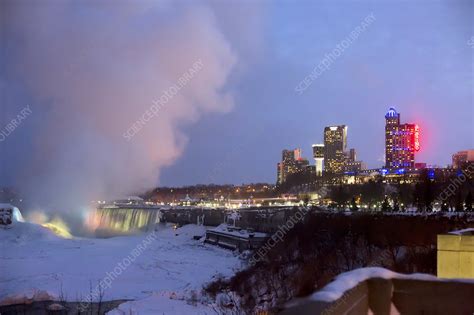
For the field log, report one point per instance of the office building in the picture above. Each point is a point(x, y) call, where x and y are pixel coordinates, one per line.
point(335, 143)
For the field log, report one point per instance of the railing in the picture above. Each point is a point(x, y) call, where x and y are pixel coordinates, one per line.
point(395, 296)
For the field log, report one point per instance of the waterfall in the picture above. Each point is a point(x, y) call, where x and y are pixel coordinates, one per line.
point(124, 220)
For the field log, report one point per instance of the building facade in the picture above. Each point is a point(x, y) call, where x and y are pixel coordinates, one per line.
point(463, 157)
point(401, 142)
point(351, 165)
point(335, 144)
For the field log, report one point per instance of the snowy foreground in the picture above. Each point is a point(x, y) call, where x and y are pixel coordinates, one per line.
point(163, 276)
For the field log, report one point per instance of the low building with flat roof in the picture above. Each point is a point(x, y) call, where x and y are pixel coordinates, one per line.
point(232, 237)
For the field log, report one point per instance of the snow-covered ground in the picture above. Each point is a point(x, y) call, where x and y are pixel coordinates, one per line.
point(160, 273)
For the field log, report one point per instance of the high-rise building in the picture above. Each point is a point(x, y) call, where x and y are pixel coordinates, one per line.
point(291, 163)
point(318, 155)
point(335, 143)
point(402, 141)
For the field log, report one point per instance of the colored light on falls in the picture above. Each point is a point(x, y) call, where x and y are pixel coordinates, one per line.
point(123, 220)
point(55, 225)
point(59, 228)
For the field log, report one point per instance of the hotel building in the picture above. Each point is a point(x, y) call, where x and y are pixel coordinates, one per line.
point(401, 142)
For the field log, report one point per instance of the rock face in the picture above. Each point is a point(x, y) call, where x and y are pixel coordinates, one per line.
point(9, 214)
point(6, 216)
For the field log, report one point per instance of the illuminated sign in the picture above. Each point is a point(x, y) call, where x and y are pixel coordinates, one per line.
point(391, 113)
point(417, 138)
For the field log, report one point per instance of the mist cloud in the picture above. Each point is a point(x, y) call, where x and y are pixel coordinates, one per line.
point(92, 69)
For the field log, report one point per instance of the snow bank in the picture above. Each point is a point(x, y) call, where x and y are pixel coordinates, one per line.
point(469, 231)
point(33, 259)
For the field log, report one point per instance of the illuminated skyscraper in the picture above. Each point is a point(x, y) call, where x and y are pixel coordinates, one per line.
point(335, 143)
point(401, 142)
point(291, 163)
point(318, 155)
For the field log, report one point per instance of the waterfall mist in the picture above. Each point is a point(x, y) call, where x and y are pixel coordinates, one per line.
point(89, 71)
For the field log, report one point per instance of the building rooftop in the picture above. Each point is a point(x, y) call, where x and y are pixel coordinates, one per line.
point(237, 232)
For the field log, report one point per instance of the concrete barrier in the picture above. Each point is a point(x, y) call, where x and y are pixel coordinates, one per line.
point(395, 296)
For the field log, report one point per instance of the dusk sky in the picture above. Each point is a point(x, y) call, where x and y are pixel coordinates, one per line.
point(89, 70)
point(414, 57)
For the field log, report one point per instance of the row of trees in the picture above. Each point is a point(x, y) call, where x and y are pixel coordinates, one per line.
point(424, 195)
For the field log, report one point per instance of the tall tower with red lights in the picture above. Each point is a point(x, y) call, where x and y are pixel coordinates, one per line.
point(402, 141)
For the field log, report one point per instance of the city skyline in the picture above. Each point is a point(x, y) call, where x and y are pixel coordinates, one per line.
point(334, 162)
point(306, 154)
